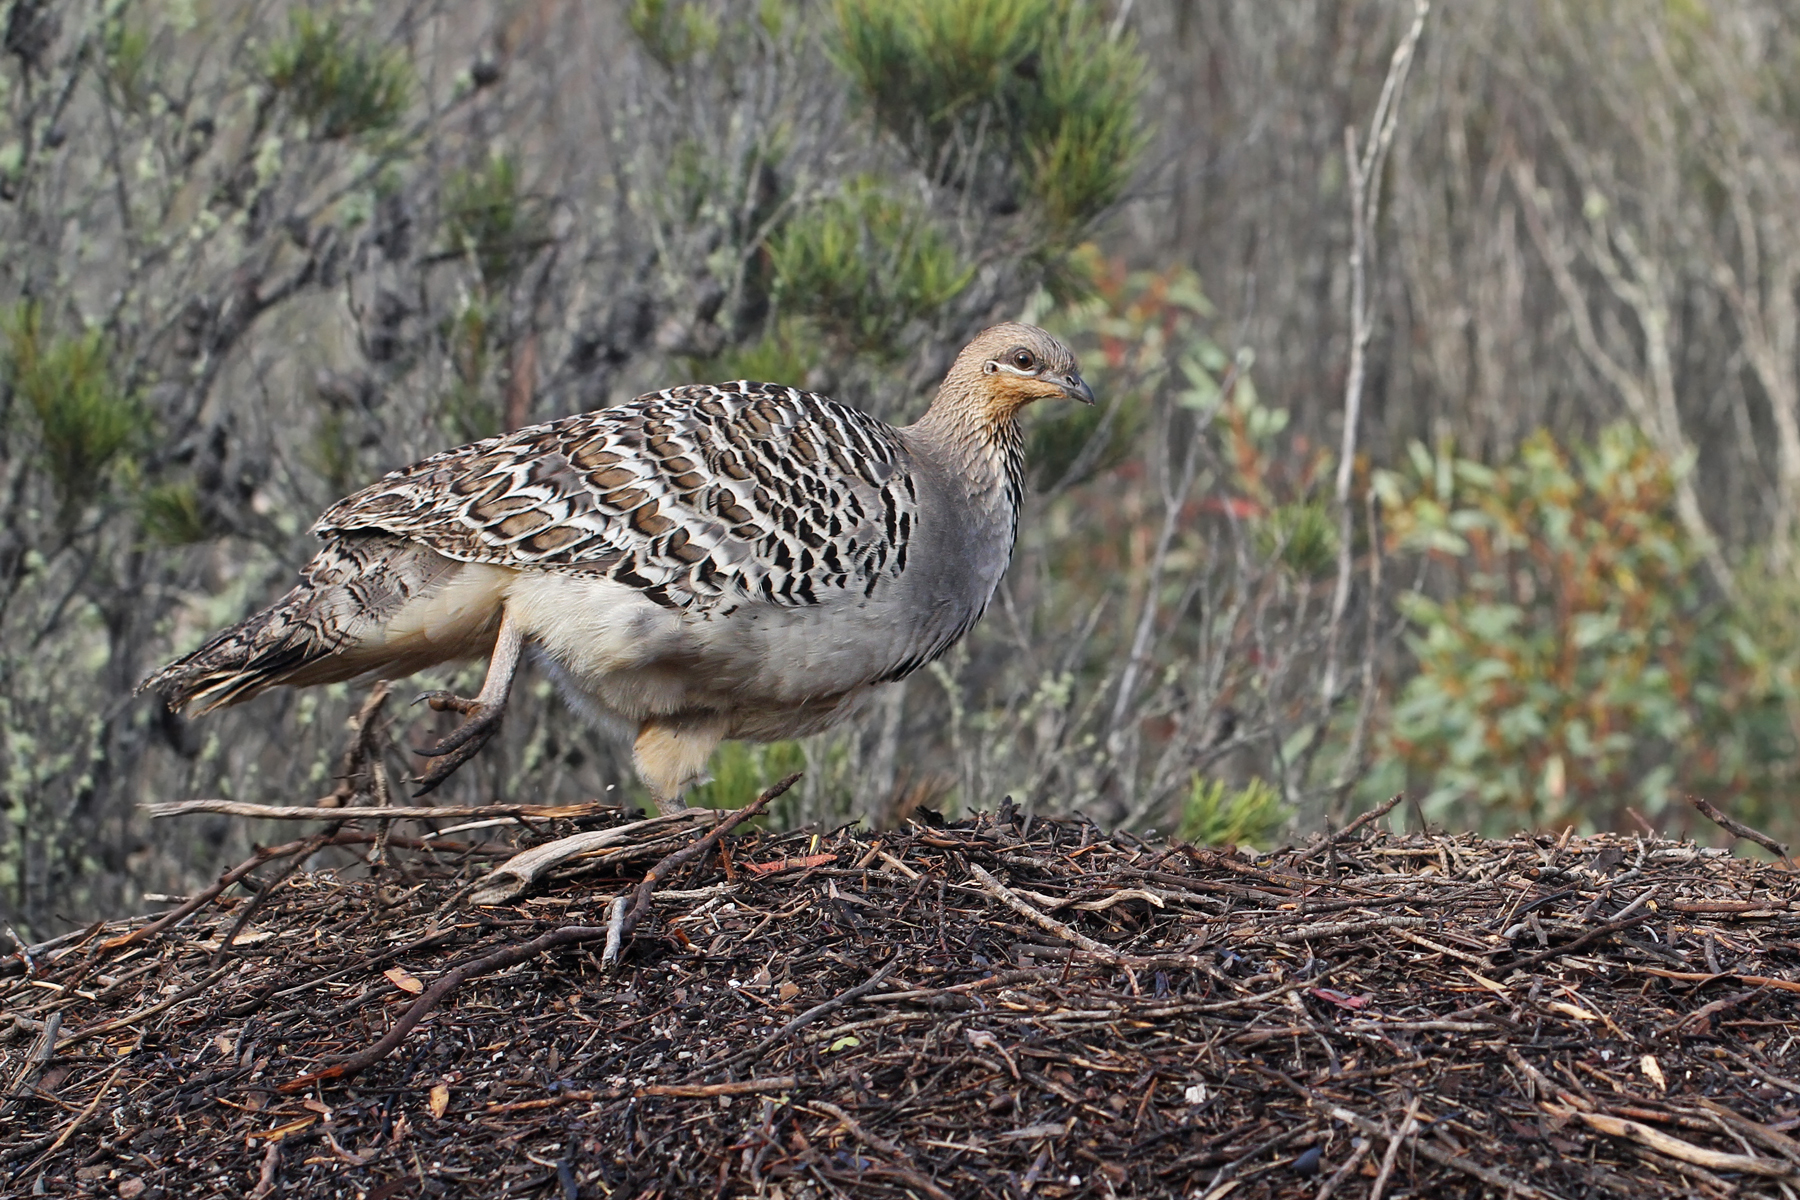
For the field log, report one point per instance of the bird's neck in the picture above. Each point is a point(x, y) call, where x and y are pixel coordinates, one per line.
point(976, 451)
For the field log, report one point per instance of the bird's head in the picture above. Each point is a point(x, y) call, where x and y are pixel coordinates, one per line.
point(1008, 366)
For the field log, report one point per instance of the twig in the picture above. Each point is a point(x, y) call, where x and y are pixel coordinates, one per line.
point(615, 931)
point(187, 993)
point(1081, 941)
point(1357, 1154)
point(1374, 814)
point(42, 1051)
point(1371, 1129)
point(525, 868)
point(1738, 829)
point(1700, 1156)
point(425, 812)
point(1786, 1085)
point(175, 915)
point(271, 1162)
point(1768, 1138)
point(81, 1119)
point(1591, 936)
point(1365, 207)
point(1487, 1175)
point(736, 1087)
point(808, 1017)
point(905, 1171)
point(640, 902)
point(434, 995)
point(1004, 895)
point(317, 841)
point(685, 1091)
point(1408, 1127)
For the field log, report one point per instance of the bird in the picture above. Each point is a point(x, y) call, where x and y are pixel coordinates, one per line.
point(728, 561)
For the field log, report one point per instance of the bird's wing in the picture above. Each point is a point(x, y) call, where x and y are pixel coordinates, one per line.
point(698, 496)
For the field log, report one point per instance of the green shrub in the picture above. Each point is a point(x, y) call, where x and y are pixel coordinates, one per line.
point(1302, 534)
point(786, 354)
point(863, 264)
point(488, 218)
point(85, 421)
point(673, 32)
point(741, 770)
point(1027, 100)
point(341, 88)
point(1216, 814)
point(171, 514)
point(1574, 664)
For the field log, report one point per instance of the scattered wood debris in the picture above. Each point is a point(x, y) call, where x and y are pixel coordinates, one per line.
point(1001, 1007)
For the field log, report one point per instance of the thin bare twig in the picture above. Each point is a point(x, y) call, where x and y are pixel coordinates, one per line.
point(1374, 814)
point(1408, 1127)
point(314, 812)
point(809, 1016)
point(1738, 829)
point(195, 903)
point(1365, 208)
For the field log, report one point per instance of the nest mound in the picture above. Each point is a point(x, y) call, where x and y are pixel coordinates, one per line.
point(999, 1007)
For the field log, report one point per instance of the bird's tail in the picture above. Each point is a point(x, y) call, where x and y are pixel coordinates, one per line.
point(275, 646)
point(369, 604)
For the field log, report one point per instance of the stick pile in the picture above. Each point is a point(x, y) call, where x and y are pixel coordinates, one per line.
point(1005, 1006)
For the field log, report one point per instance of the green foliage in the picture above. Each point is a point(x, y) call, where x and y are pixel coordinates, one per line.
point(488, 218)
point(1216, 814)
point(741, 770)
point(786, 354)
point(674, 31)
point(171, 514)
point(863, 264)
point(125, 58)
point(1575, 665)
point(84, 419)
point(340, 87)
point(1031, 96)
point(1302, 534)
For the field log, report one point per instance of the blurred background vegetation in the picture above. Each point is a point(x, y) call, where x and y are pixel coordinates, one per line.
point(256, 253)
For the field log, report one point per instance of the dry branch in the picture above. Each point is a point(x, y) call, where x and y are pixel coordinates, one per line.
point(1674, 1147)
point(1738, 829)
point(314, 812)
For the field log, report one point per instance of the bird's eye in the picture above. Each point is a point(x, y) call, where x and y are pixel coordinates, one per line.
point(1023, 360)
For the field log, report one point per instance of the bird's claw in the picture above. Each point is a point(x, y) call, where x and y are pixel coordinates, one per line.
point(463, 743)
point(443, 701)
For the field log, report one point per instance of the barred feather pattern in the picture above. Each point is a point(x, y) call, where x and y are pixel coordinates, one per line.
point(618, 545)
point(349, 590)
point(701, 497)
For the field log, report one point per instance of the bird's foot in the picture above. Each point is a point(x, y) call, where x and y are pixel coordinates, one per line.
point(464, 742)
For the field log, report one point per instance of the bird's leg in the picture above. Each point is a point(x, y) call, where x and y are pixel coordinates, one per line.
point(671, 752)
point(483, 712)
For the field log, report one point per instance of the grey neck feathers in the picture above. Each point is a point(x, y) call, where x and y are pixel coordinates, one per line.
point(976, 451)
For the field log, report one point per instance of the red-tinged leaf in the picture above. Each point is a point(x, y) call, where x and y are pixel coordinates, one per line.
point(789, 864)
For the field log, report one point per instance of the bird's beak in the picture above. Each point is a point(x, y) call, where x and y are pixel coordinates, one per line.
point(1076, 389)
